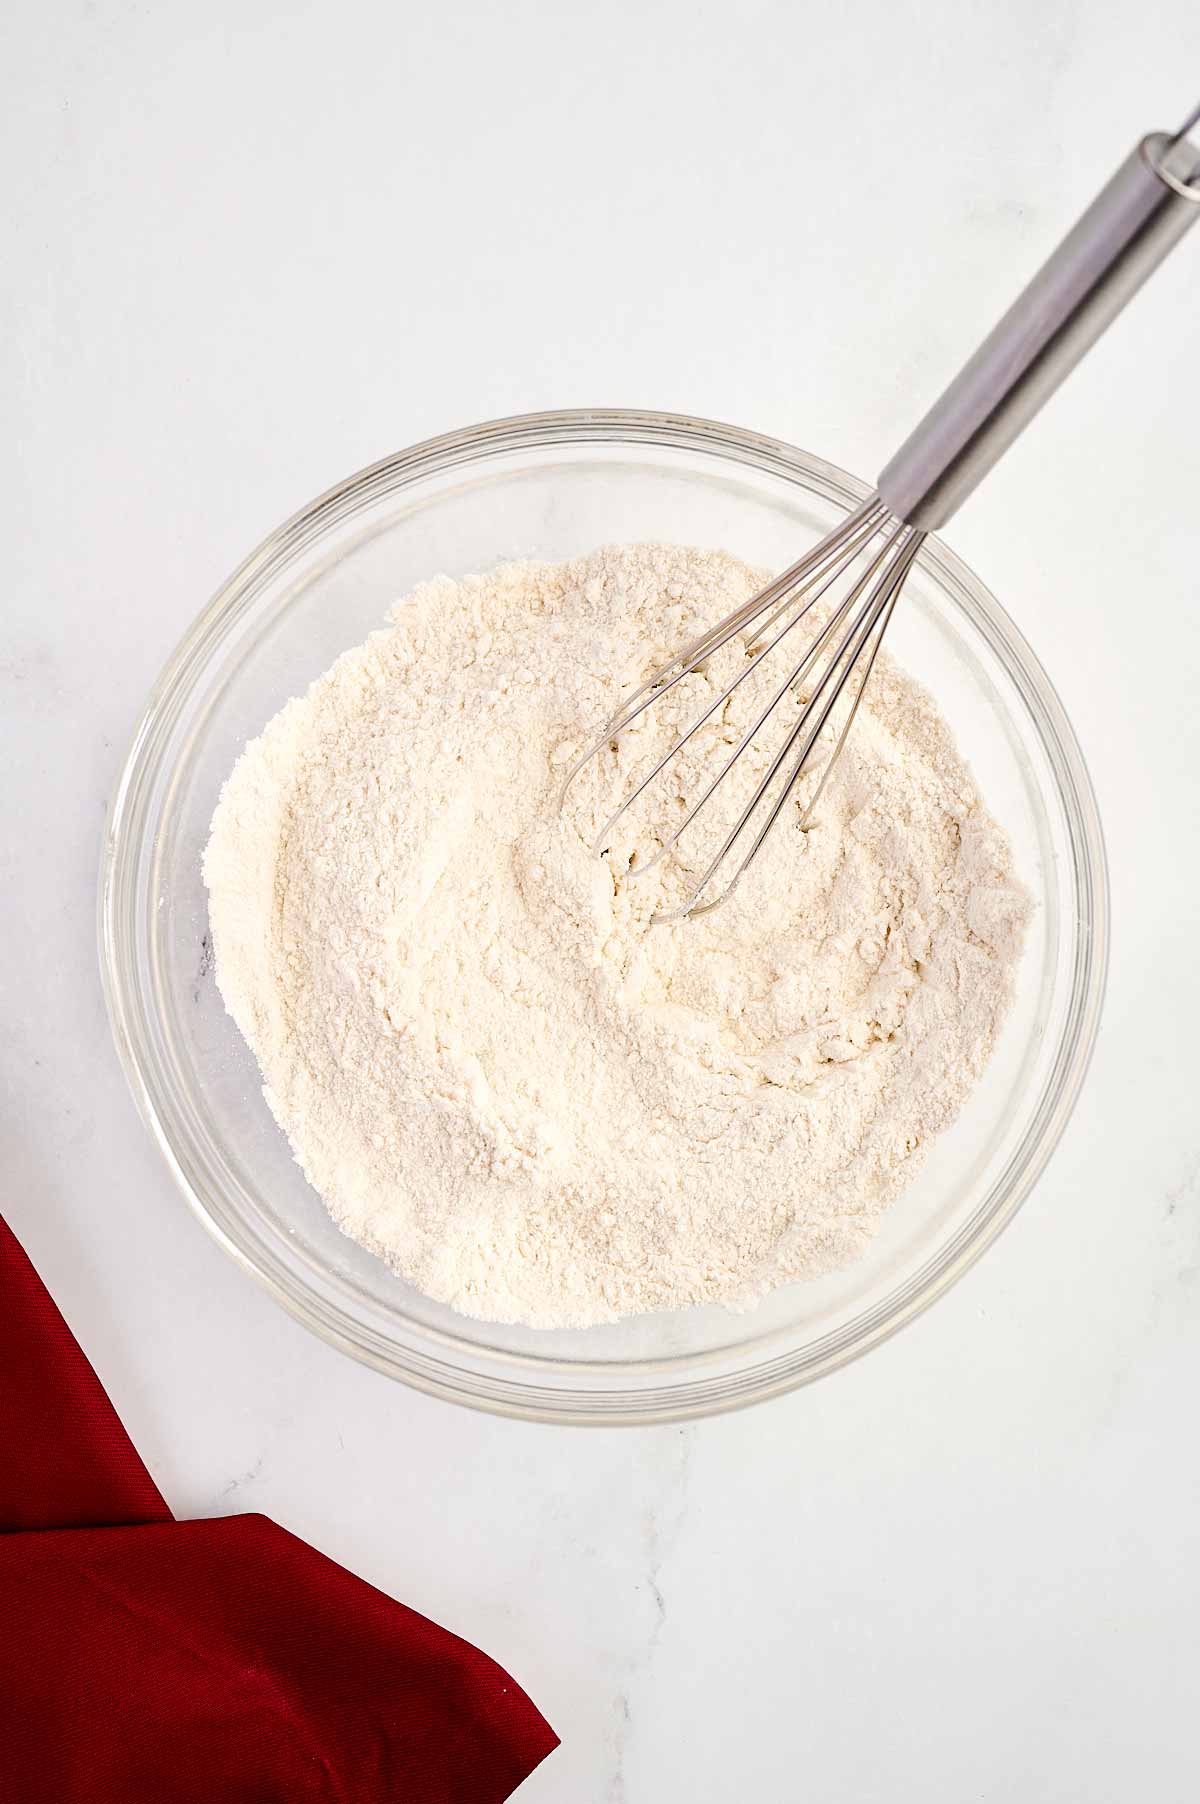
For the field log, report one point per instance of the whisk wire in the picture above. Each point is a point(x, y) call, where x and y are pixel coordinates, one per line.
point(849, 550)
point(868, 629)
point(857, 623)
point(903, 547)
point(795, 676)
point(884, 620)
point(832, 548)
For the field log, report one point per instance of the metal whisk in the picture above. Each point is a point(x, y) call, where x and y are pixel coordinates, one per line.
point(854, 576)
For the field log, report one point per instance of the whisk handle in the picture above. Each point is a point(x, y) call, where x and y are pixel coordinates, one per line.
point(1126, 232)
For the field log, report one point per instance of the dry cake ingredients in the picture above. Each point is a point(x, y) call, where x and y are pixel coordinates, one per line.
point(502, 1079)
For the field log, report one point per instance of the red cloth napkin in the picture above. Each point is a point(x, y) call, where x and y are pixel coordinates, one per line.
point(149, 1661)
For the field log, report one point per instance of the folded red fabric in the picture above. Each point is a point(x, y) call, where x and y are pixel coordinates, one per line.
point(65, 1459)
point(149, 1661)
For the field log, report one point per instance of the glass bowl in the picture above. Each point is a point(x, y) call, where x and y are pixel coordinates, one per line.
point(551, 486)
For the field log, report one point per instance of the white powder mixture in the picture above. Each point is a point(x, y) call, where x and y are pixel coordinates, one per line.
point(499, 1076)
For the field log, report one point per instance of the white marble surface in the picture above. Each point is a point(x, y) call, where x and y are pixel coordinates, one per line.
point(250, 248)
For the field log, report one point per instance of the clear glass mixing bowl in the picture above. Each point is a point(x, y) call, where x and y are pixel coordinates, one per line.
point(551, 486)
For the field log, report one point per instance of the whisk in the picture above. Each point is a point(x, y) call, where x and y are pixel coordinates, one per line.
point(854, 576)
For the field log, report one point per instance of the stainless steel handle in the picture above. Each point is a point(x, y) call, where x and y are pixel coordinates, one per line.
point(1126, 232)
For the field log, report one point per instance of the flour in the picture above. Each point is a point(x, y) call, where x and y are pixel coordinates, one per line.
point(499, 1076)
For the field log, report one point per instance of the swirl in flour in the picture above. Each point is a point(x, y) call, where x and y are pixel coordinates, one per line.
point(500, 1078)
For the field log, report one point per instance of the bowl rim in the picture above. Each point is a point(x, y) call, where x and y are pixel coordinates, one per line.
point(511, 1392)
